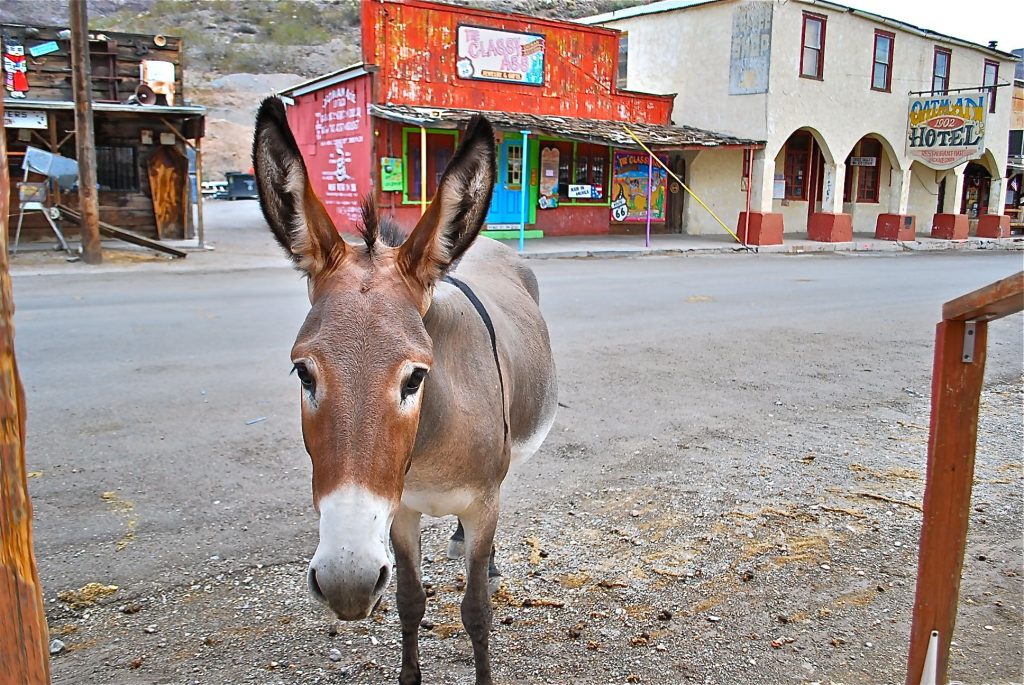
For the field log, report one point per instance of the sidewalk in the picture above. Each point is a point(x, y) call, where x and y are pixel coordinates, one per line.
point(674, 244)
point(238, 239)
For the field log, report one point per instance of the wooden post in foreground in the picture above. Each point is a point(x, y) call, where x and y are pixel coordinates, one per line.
point(956, 394)
point(81, 77)
point(24, 653)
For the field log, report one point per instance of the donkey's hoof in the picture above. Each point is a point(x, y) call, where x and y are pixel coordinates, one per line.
point(493, 584)
point(456, 548)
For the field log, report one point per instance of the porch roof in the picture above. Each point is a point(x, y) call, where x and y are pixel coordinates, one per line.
point(181, 110)
point(611, 133)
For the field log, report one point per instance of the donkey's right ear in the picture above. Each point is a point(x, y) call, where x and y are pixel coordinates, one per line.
point(295, 214)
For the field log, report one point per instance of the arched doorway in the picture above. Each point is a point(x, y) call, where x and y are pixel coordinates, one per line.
point(803, 169)
point(977, 185)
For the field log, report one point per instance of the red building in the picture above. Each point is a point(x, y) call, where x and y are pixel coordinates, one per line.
point(390, 125)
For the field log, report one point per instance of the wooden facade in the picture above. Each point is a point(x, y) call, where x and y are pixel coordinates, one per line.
point(131, 139)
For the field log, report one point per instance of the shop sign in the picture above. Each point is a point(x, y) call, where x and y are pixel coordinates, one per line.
point(24, 118)
point(629, 188)
point(489, 55)
point(390, 174)
point(585, 192)
point(863, 161)
point(945, 131)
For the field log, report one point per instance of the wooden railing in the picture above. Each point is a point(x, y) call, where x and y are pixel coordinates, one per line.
point(957, 377)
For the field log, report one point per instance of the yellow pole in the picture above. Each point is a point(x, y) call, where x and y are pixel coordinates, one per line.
point(680, 181)
point(423, 170)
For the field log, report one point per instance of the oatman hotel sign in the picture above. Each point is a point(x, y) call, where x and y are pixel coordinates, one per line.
point(944, 131)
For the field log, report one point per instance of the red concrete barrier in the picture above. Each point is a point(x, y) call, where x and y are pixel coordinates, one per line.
point(896, 227)
point(950, 226)
point(993, 226)
point(765, 228)
point(830, 228)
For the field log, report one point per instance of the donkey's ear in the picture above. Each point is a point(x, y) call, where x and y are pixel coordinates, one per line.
point(457, 211)
point(295, 214)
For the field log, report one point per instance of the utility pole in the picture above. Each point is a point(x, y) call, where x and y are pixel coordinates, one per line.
point(81, 77)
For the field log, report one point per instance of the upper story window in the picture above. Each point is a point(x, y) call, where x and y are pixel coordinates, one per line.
point(812, 53)
point(991, 78)
point(881, 68)
point(940, 71)
point(620, 77)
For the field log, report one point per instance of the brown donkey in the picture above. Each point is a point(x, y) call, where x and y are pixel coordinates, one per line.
point(426, 371)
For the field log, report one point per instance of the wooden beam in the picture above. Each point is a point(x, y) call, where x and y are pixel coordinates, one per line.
point(956, 395)
point(24, 653)
point(112, 231)
point(81, 71)
point(994, 301)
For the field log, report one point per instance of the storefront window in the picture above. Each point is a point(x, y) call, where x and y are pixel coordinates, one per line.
point(440, 148)
point(581, 164)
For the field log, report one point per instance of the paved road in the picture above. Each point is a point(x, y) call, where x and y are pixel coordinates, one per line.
point(163, 423)
point(145, 385)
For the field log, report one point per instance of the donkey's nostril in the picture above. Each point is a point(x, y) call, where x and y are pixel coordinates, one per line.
point(382, 580)
point(314, 587)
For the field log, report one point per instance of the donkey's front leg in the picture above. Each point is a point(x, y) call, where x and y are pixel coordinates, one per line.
point(412, 600)
point(480, 524)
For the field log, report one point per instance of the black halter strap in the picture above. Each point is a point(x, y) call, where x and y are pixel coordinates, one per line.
point(482, 311)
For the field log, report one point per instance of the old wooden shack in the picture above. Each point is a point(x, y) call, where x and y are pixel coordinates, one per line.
point(145, 125)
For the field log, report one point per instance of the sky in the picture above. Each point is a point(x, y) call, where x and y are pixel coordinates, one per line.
point(978, 21)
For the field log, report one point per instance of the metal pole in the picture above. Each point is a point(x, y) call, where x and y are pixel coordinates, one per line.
point(524, 188)
point(650, 186)
point(200, 229)
point(423, 170)
point(748, 154)
point(81, 70)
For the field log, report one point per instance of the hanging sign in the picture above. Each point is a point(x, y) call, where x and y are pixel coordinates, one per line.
point(489, 55)
point(947, 130)
point(390, 174)
point(629, 188)
point(24, 118)
point(863, 161)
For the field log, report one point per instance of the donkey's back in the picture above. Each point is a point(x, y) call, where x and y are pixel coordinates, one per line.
point(508, 289)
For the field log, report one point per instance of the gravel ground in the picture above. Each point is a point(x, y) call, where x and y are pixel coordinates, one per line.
point(730, 494)
point(680, 564)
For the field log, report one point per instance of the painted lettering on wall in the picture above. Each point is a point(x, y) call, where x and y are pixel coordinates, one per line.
point(334, 132)
point(945, 131)
point(489, 55)
point(750, 56)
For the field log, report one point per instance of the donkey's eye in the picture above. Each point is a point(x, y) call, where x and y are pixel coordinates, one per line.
point(412, 385)
point(305, 377)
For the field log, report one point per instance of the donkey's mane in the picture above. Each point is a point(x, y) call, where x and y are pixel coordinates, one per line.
point(376, 228)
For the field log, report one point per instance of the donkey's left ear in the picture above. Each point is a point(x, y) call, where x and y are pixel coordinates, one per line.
point(457, 211)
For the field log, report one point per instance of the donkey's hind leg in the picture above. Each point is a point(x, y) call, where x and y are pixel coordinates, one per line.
point(412, 600)
point(457, 543)
point(480, 522)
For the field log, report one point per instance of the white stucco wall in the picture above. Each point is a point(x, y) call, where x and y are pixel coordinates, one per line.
point(716, 176)
point(688, 52)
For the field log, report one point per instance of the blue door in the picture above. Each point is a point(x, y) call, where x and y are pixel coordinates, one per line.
point(505, 202)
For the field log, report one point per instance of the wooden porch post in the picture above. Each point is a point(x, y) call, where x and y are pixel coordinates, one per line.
point(81, 77)
point(24, 653)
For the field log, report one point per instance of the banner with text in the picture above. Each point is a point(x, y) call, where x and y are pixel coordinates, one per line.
point(944, 131)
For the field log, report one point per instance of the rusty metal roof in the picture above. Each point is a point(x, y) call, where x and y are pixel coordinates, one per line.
point(609, 133)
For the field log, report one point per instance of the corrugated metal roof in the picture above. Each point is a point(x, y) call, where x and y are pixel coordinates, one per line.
point(611, 133)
